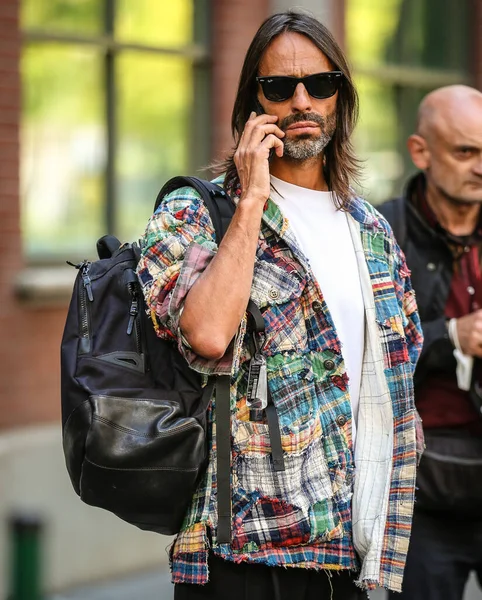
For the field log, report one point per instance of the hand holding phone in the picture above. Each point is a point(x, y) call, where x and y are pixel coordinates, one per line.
point(260, 141)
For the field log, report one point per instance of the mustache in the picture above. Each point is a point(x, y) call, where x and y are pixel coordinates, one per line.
point(299, 117)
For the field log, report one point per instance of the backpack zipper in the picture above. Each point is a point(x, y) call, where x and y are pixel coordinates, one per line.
point(85, 296)
point(138, 337)
point(86, 280)
point(133, 324)
point(158, 434)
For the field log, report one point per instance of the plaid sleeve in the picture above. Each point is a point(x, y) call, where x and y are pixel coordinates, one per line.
point(403, 289)
point(178, 245)
point(413, 329)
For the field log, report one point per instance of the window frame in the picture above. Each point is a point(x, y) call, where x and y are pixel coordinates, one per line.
point(198, 52)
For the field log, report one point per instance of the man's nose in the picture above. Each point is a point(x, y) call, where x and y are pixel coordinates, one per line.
point(301, 101)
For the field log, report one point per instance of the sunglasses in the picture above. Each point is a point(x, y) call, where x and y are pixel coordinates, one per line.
point(319, 85)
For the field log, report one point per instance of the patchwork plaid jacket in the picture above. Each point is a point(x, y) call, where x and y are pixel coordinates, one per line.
point(301, 517)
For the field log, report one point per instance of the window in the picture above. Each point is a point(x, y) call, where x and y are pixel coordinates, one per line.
point(400, 50)
point(114, 103)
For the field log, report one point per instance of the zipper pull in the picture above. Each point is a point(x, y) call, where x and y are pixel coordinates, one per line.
point(133, 314)
point(77, 266)
point(87, 282)
point(257, 391)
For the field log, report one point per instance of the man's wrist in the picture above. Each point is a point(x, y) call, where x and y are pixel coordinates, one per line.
point(251, 204)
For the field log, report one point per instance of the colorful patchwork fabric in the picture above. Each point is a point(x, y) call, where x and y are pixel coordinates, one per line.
point(300, 517)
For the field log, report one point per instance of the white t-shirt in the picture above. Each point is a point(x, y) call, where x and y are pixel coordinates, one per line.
point(324, 237)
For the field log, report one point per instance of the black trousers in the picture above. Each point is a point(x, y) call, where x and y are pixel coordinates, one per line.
point(231, 581)
point(442, 553)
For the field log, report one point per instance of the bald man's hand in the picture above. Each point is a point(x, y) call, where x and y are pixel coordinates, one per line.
point(469, 330)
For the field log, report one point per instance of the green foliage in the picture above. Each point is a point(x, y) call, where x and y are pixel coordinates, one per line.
point(166, 23)
point(370, 24)
point(63, 129)
point(61, 83)
point(151, 22)
point(76, 16)
point(153, 90)
point(385, 38)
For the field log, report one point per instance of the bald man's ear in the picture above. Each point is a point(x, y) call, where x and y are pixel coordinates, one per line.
point(417, 146)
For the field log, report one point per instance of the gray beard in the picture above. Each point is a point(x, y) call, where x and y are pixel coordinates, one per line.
point(306, 148)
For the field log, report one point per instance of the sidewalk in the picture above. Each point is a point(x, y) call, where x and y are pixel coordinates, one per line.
point(148, 586)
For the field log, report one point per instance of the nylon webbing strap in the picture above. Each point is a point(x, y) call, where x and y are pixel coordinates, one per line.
point(208, 392)
point(223, 450)
point(275, 436)
point(271, 414)
point(256, 316)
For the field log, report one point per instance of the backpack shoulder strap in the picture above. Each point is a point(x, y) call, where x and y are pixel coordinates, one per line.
point(394, 212)
point(221, 210)
point(219, 204)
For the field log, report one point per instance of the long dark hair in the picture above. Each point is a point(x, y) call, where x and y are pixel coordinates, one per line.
point(341, 165)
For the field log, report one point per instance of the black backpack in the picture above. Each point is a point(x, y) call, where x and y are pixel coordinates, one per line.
point(133, 412)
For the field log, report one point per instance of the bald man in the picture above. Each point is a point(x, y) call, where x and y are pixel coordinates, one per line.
point(438, 223)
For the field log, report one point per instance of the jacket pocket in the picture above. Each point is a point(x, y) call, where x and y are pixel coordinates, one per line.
point(273, 285)
point(277, 292)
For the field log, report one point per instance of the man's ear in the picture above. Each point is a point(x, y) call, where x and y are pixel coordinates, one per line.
point(417, 146)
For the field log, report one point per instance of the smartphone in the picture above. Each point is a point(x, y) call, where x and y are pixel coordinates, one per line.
point(258, 108)
point(260, 111)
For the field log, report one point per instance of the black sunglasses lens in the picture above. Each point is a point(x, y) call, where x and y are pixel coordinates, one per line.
point(277, 90)
point(323, 85)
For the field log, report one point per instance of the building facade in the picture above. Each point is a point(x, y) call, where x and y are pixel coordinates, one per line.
point(100, 103)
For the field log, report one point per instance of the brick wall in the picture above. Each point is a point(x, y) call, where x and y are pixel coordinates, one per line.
point(234, 24)
point(338, 18)
point(29, 335)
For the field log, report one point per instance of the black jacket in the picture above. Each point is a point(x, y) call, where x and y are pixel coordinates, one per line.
point(431, 262)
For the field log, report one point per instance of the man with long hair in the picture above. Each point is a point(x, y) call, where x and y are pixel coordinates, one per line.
point(341, 339)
